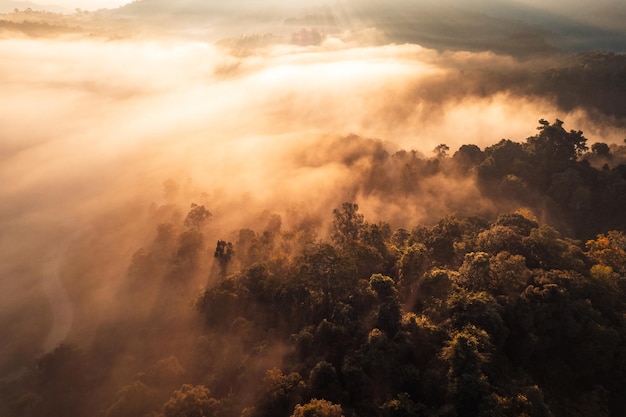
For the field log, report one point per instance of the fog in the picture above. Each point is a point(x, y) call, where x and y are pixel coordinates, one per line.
point(104, 137)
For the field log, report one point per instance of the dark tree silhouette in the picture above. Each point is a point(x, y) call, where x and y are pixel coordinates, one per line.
point(223, 253)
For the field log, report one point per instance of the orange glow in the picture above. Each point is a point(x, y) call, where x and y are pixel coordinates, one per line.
point(99, 111)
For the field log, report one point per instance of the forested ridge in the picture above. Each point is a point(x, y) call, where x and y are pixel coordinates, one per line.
point(514, 305)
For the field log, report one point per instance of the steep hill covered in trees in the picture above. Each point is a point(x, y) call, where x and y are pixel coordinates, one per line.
point(488, 310)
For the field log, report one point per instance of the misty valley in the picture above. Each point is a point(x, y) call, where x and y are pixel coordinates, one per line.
point(346, 209)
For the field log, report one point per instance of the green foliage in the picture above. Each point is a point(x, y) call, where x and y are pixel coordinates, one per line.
point(474, 273)
point(548, 250)
point(468, 156)
point(517, 308)
point(383, 286)
point(389, 310)
point(509, 274)
point(555, 145)
point(435, 284)
point(440, 240)
point(518, 222)
point(465, 355)
point(603, 273)
point(278, 394)
point(478, 309)
point(347, 224)
point(402, 406)
point(601, 149)
point(223, 253)
point(318, 408)
point(197, 216)
point(192, 401)
point(64, 376)
point(188, 252)
point(133, 400)
point(460, 316)
point(505, 157)
point(324, 382)
point(412, 264)
point(441, 150)
point(609, 250)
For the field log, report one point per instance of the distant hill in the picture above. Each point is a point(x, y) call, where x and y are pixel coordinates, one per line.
point(7, 6)
point(520, 29)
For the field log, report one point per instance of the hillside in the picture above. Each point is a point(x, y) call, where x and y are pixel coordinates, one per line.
point(465, 316)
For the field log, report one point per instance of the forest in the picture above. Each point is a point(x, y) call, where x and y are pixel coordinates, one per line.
point(313, 209)
point(509, 303)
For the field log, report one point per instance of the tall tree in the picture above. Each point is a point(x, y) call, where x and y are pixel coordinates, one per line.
point(347, 224)
point(553, 144)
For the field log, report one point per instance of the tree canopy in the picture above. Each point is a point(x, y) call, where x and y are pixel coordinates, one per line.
point(519, 312)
